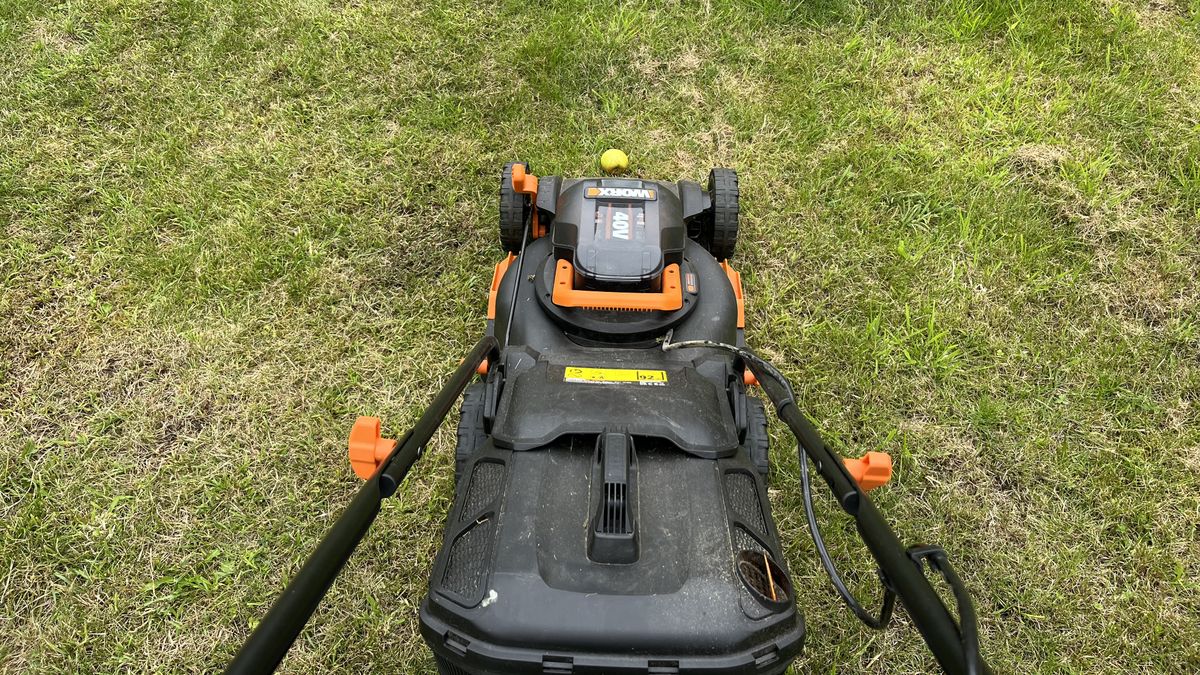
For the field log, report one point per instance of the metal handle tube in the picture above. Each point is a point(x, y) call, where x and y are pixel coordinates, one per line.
point(269, 643)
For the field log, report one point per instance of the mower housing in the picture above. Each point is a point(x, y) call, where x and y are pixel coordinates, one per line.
point(611, 513)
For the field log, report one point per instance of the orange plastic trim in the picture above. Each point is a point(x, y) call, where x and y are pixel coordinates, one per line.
point(480, 369)
point(566, 295)
point(367, 447)
point(871, 470)
point(494, 289)
point(735, 280)
point(527, 183)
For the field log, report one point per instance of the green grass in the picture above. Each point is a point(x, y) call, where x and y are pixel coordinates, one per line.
point(226, 228)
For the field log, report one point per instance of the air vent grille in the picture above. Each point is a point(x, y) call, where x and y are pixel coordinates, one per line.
point(469, 561)
point(487, 479)
point(615, 514)
point(744, 541)
point(447, 668)
point(743, 500)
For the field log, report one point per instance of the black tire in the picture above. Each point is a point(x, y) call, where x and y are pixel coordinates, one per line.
point(721, 231)
point(757, 440)
point(471, 431)
point(515, 209)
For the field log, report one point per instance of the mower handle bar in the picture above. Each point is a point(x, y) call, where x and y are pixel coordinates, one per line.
point(955, 647)
point(269, 643)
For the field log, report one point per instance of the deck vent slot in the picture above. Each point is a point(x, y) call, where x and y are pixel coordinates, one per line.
point(613, 535)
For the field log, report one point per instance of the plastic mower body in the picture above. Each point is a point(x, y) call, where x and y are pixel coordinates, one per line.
point(610, 510)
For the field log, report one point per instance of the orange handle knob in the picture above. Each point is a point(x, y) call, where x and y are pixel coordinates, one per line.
point(871, 470)
point(368, 448)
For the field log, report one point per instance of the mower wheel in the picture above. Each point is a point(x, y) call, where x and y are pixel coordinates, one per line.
point(515, 210)
point(757, 440)
point(471, 432)
point(721, 229)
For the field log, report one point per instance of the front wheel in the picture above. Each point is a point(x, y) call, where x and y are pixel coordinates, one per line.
point(720, 232)
point(515, 210)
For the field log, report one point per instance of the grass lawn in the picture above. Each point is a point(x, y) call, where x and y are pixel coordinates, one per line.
point(227, 228)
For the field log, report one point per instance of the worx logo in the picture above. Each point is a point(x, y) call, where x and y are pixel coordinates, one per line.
point(621, 193)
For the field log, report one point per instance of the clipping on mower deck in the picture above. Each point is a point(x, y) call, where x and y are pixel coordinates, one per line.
point(610, 511)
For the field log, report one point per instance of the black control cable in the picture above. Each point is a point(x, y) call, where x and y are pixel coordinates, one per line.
point(512, 305)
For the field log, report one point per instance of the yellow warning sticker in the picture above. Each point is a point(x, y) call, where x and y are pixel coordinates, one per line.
point(614, 376)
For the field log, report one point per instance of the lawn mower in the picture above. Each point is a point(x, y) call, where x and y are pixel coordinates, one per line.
point(610, 510)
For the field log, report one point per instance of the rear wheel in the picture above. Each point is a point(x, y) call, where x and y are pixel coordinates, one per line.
point(515, 208)
point(757, 440)
point(720, 232)
point(471, 431)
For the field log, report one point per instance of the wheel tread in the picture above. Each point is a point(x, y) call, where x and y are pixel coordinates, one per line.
point(758, 442)
point(514, 211)
point(472, 433)
point(723, 227)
